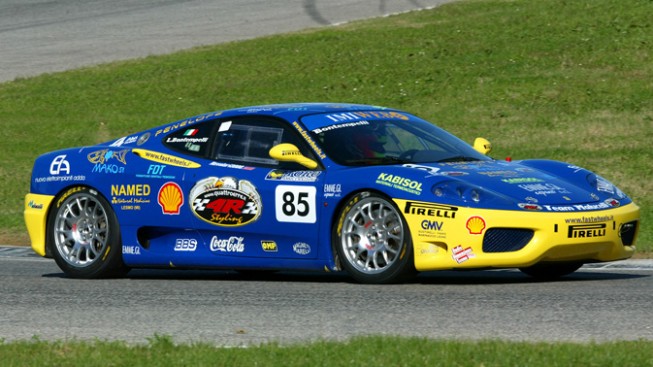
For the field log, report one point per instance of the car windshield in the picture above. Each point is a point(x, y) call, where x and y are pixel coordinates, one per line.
point(392, 141)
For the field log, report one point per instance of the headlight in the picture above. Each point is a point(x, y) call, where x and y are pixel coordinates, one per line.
point(602, 185)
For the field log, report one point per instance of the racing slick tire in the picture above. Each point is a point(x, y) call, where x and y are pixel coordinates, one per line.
point(84, 235)
point(372, 240)
point(551, 271)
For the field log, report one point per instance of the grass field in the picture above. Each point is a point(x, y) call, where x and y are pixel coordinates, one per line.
point(566, 80)
point(362, 351)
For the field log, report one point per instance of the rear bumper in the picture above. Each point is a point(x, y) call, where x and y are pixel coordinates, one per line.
point(36, 214)
point(449, 238)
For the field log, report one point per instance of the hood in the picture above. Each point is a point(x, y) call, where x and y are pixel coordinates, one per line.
point(527, 185)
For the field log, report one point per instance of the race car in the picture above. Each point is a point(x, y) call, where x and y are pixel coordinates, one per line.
point(376, 192)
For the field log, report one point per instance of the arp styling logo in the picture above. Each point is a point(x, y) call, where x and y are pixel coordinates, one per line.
point(225, 201)
point(587, 230)
point(59, 164)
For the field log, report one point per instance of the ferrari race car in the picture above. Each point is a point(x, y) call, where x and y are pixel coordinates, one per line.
point(373, 191)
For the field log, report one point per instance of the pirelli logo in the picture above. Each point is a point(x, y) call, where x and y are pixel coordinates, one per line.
point(430, 210)
point(587, 230)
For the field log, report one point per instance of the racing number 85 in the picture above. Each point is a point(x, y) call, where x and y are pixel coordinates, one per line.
point(295, 204)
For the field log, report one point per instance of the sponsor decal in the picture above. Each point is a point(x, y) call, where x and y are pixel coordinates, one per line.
point(610, 203)
point(231, 165)
point(461, 254)
point(340, 126)
point(504, 173)
point(431, 229)
point(431, 170)
point(360, 115)
point(225, 201)
point(181, 124)
point(269, 246)
point(60, 178)
point(70, 191)
point(186, 139)
point(125, 140)
point(400, 183)
point(165, 158)
point(131, 250)
point(475, 225)
point(231, 244)
point(130, 197)
point(33, 205)
point(293, 176)
point(170, 198)
point(295, 204)
point(301, 248)
point(520, 180)
point(544, 189)
point(156, 171)
point(430, 209)
point(309, 139)
point(101, 158)
point(59, 164)
point(185, 244)
point(143, 138)
point(594, 219)
point(332, 190)
point(587, 230)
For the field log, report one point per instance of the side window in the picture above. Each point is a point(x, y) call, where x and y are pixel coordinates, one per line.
point(248, 141)
point(192, 140)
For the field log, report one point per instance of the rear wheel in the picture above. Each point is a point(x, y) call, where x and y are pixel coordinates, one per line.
point(372, 240)
point(84, 235)
point(550, 271)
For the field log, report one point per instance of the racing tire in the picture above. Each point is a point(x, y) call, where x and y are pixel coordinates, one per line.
point(84, 235)
point(372, 240)
point(551, 271)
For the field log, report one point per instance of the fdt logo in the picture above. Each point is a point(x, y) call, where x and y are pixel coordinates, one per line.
point(59, 164)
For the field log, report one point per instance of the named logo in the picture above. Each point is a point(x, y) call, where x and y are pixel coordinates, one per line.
point(59, 164)
point(430, 210)
point(587, 230)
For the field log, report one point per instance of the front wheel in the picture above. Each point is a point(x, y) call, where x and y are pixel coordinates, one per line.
point(372, 240)
point(84, 235)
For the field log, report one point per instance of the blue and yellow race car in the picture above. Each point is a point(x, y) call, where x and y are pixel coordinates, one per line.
point(373, 191)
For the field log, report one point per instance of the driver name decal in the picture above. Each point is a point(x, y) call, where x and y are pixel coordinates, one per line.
point(225, 201)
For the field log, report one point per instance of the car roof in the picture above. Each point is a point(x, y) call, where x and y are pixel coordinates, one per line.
point(294, 111)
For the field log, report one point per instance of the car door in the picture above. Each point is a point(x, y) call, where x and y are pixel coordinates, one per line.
point(250, 205)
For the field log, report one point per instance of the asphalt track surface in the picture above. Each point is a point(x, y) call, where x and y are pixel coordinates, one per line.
point(597, 303)
point(47, 36)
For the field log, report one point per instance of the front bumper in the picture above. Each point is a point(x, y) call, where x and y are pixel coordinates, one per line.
point(446, 237)
point(36, 214)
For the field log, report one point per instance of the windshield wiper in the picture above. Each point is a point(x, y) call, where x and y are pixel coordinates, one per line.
point(459, 158)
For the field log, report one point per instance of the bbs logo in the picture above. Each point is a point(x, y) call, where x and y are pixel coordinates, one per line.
point(185, 244)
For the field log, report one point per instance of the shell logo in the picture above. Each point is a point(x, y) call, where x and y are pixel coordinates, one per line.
point(170, 198)
point(475, 225)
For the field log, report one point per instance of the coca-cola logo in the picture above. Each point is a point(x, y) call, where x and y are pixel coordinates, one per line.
point(231, 244)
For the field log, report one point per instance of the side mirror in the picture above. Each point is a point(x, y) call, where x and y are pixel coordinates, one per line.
point(286, 152)
point(482, 146)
